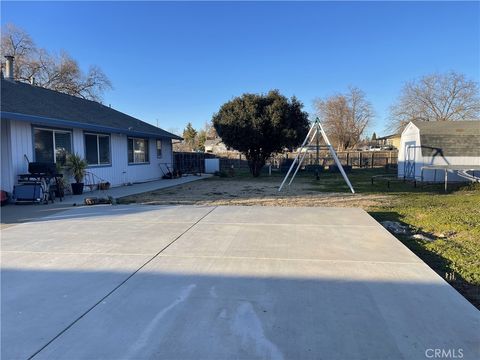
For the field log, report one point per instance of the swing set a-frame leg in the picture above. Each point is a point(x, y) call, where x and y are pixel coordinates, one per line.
point(335, 157)
point(301, 156)
point(296, 158)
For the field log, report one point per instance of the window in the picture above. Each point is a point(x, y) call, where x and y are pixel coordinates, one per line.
point(52, 145)
point(159, 149)
point(97, 149)
point(137, 150)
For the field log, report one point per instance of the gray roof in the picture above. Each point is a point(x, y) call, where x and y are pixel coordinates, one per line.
point(22, 101)
point(389, 136)
point(450, 138)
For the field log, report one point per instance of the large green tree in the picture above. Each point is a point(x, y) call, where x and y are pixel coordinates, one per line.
point(258, 125)
point(189, 135)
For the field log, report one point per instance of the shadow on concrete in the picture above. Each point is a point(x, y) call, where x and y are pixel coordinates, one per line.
point(95, 314)
point(17, 214)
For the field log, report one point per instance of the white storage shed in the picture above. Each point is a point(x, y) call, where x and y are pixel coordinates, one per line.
point(431, 151)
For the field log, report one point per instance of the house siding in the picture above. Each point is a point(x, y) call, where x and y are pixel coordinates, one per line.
point(6, 156)
point(17, 141)
point(21, 146)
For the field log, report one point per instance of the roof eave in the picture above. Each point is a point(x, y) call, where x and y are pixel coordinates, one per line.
point(41, 120)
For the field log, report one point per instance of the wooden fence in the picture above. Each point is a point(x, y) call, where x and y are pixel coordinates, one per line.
point(358, 159)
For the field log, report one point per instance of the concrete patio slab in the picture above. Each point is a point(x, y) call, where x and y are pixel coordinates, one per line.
point(16, 214)
point(103, 229)
point(236, 282)
point(284, 216)
point(12, 215)
point(43, 292)
point(132, 213)
point(286, 241)
point(210, 308)
point(56, 268)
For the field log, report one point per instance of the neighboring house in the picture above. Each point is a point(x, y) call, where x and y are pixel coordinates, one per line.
point(44, 125)
point(438, 144)
point(215, 146)
point(389, 140)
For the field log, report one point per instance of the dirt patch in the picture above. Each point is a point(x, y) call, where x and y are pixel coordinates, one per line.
point(263, 192)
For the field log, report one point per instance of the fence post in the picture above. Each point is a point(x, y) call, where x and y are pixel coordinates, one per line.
point(373, 157)
point(360, 159)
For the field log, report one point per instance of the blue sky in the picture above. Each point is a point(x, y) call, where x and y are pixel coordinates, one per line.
point(179, 62)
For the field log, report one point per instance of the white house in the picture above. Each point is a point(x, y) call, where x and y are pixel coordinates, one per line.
point(438, 146)
point(215, 146)
point(43, 125)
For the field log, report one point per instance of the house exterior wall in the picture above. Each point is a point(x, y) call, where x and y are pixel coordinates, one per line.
point(17, 141)
point(395, 141)
point(120, 171)
point(6, 157)
point(21, 145)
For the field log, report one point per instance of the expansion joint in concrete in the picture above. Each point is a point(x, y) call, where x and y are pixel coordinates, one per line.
point(119, 285)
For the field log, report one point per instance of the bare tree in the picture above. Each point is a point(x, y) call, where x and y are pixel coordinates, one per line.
point(210, 131)
point(345, 117)
point(436, 97)
point(60, 73)
point(16, 42)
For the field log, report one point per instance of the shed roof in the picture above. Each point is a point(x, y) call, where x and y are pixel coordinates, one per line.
point(391, 136)
point(20, 101)
point(451, 138)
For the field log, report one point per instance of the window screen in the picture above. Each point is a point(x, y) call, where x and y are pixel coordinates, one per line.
point(137, 150)
point(91, 149)
point(43, 145)
point(52, 145)
point(104, 149)
point(97, 149)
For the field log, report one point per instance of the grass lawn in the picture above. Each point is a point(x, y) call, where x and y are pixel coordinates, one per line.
point(451, 220)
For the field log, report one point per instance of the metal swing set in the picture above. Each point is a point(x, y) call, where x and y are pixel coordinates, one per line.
point(316, 130)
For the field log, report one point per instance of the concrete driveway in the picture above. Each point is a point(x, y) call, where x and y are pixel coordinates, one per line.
point(16, 214)
point(11, 215)
point(185, 282)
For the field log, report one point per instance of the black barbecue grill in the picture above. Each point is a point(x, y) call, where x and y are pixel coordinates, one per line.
point(42, 168)
point(40, 184)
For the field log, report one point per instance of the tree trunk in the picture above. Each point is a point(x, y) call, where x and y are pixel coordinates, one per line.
point(255, 164)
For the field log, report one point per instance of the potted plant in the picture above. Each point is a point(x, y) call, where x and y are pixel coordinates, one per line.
point(77, 167)
point(61, 183)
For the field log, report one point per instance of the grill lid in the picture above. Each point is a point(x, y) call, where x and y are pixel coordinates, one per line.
point(42, 168)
